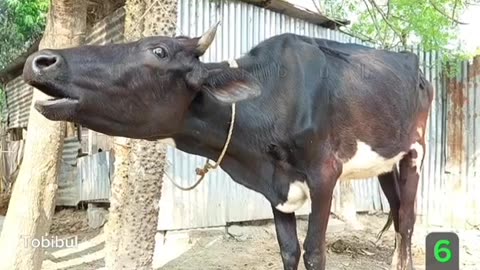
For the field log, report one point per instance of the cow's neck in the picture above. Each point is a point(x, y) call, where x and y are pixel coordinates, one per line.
point(208, 122)
point(268, 134)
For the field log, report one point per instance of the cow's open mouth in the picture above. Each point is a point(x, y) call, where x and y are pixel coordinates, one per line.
point(57, 108)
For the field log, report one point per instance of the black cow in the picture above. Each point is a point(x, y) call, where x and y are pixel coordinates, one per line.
point(309, 112)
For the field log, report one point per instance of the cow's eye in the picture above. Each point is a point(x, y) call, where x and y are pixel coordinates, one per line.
point(160, 52)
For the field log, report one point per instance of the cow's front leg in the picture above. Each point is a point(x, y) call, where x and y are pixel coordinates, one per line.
point(321, 182)
point(286, 227)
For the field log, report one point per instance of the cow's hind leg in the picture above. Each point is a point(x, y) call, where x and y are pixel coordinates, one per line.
point(409, 176)
point(390, 184)
point(286, 228)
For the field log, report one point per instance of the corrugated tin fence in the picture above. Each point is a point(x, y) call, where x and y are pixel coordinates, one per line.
point(87, 181)
point(108, 30)
point(449, 188)
point(452, 187)
point(19, 98)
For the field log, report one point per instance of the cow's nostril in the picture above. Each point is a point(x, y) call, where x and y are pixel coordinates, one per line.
point(43, 62)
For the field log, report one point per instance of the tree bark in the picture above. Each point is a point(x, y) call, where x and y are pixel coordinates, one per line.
point(70, 130)
point(133, 218)
point(139, 164)
point(33, 197)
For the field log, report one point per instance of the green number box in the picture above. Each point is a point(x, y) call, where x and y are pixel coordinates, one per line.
point(442, 251)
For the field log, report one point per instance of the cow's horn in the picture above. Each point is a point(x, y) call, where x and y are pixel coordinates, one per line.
point(206, 39)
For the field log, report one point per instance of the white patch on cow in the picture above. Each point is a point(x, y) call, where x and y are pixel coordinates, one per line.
point(298, 193)
point(418, 148)
point(233, 63)
point(367, 163)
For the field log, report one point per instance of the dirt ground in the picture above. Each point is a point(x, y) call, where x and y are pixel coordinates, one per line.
point(249, 247)
point(255, 248)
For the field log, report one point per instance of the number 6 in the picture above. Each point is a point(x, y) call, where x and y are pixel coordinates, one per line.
point(442, 247)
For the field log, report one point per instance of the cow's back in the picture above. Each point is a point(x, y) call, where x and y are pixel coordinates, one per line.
point(376, 96)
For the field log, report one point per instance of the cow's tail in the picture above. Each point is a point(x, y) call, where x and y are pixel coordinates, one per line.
point(387, 226)
point(389, 222)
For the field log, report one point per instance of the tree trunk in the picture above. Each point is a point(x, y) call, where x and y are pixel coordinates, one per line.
point(132, 222)
point(33, 197)
point(70, 130)
point(139, 164)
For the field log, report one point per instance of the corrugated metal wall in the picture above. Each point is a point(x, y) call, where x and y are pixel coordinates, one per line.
point(450, 184)
point(94, 175)
point(108, 30)
point(432, 173)
point(87, 181)
point(68, 188)
point(19, 98)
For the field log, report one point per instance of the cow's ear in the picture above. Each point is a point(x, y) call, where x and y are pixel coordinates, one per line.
point(231, 85)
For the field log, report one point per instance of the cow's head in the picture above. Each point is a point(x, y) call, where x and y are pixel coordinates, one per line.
point(140, 90)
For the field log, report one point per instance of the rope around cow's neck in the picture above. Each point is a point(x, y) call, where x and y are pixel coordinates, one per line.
point(203, 171)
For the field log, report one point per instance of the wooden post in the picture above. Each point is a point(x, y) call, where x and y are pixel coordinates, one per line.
point(33, 198)
point(139, 165)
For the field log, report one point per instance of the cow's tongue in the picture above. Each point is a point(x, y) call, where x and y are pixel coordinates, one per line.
point(56, 101)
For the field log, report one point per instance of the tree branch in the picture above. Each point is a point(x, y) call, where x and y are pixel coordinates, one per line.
point(374, 18)
point(454, 8)
point(388, 9)
point(399, 18)
point(359, 36)
point(394, 29)
point(339, 23)
point(396, 44)
point(445, 14)
point(317, 7)
point(385, 18)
